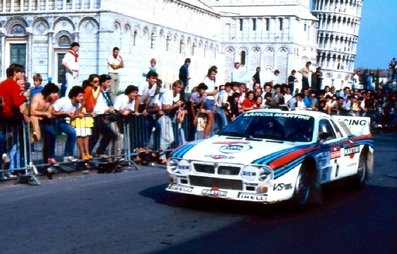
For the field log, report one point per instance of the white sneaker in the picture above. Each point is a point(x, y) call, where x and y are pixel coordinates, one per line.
point(11, 176)
point(70, 159)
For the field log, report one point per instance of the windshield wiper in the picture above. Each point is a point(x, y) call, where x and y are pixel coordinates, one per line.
point(250, 137)
point(231, 133)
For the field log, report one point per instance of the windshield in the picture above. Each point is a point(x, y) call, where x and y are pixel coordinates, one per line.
point(269, 125)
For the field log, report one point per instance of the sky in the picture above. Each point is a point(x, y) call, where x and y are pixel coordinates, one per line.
point(377, 42)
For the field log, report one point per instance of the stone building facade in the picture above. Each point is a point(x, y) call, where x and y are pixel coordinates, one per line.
point(273, 34)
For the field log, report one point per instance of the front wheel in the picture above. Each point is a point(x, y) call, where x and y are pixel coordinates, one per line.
point(303, 188)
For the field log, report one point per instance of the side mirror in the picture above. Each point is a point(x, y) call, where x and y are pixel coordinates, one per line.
point(323, 136)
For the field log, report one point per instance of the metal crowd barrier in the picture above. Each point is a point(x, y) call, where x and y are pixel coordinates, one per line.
point(23, 156)
point(15, 153)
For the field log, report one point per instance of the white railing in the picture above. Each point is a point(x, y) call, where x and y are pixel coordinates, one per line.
point(23, 6)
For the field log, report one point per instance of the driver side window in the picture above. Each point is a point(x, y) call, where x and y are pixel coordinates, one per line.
point(326, 127)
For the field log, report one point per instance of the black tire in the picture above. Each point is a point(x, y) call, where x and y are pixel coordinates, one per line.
point(303, 188)
point(362, 172)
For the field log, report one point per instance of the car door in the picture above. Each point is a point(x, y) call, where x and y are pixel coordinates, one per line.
point(329, 158)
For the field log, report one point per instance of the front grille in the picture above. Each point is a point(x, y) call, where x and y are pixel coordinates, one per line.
point(212, 169)
point(204, 168)
point(228, 170)
point(216, 182)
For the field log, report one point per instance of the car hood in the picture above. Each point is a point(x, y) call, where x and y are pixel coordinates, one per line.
point(230, 149)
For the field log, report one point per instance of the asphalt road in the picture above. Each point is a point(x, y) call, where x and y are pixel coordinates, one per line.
point(130, 212)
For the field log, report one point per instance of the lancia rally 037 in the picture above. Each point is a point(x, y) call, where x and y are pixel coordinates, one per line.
point(269, 156)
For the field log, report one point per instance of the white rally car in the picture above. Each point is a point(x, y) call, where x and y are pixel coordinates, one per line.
point(271, 155)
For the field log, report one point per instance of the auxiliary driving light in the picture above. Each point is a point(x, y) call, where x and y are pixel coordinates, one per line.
point(265, 174)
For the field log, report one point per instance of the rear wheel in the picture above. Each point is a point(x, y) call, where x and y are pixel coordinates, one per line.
point(362, 172)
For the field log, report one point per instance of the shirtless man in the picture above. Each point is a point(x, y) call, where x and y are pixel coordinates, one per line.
point(41, 107)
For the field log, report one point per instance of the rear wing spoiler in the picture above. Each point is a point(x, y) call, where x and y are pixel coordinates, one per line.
point(358, 125)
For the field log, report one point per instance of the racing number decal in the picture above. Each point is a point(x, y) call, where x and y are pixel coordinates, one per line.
point(335, 155)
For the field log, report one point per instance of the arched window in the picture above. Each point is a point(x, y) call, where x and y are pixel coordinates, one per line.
point(64, 41)
point(18, 30)
point(193, 48)
point(181, 44)
point(168, 43)
point(242, 57)
point(134, 39)
point(152, 39)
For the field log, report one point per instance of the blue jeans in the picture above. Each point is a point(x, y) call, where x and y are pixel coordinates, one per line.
point(222, 117)
point(209, 105)
point(48, 131)
point(107, 135)
point(3, 147)
point(71, 137)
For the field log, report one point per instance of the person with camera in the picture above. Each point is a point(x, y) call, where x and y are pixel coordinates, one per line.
point(105, 116)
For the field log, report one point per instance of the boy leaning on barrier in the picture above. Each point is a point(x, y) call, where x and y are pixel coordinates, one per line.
point(41, 107)
point(145, 94)
point(124, 105)
point(12, 97)
point(65, 110)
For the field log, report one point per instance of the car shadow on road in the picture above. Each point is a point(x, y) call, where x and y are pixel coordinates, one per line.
point(347, 222)
point(333, 194)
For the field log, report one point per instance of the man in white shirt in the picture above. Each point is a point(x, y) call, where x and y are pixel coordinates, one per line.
point(236, 73)
point(105, 116)
point(146, 92)
point(64, 109)
point(115, 63)
point(306, 74)
point(170, 103)
point(276, 78)
point(287, 96)
point(71, 63)
point(212, 89)
point(125, 106)
point(222, 104)
point(125, 103)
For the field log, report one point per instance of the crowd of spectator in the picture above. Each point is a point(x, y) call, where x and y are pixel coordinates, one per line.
point(378, 105)
point(91, 114)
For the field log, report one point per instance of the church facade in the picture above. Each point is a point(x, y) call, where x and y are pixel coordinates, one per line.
point(272, 34)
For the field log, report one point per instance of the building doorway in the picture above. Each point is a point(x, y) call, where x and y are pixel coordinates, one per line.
point(60, 70)
point(18, 54)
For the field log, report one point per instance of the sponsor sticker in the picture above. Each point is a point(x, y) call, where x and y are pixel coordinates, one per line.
point(282, 186)
point(214, 192)
point(218, 156)
point(351, 150)
point(180, 188)
point(234, 148)
point(249, 174)
point(335, 152)
point(284, 115)
point(253, 197)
